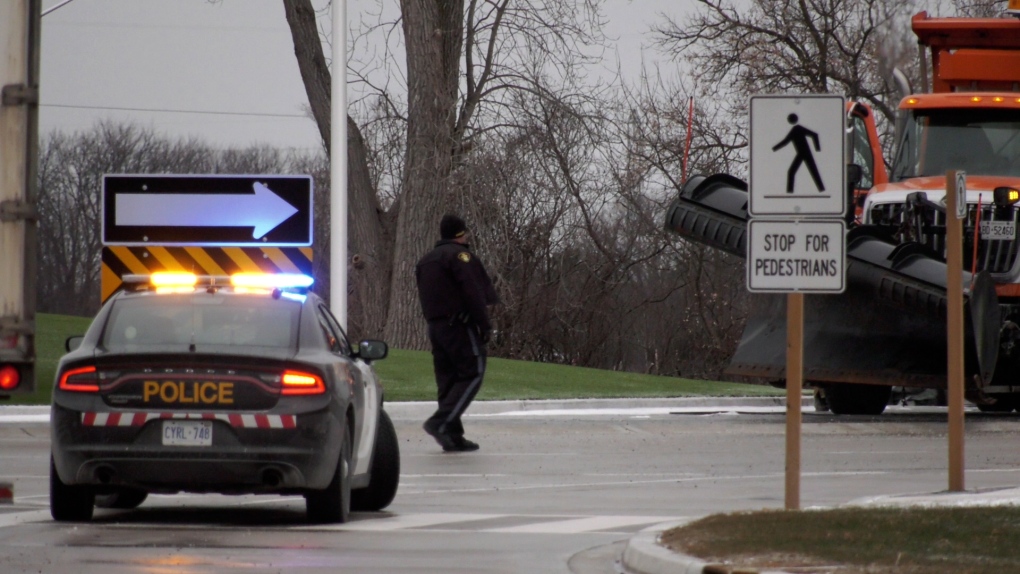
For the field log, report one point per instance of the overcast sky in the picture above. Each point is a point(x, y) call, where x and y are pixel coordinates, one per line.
point(224, 72)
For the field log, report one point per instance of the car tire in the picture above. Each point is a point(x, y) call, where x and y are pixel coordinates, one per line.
point(124, 499)
point(385, 469)
point(333, 504)
point(69, 503)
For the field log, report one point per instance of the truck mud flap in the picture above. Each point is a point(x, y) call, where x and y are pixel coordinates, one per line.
point(887, 328)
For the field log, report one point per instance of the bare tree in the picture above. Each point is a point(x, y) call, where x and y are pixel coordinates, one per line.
point(480, 44)
point(769, 46)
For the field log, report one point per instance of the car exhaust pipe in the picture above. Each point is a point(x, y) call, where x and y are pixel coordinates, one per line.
point(104, 475)
point(272, 477)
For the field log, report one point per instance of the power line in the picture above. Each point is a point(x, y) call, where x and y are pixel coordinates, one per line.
point(169, 111)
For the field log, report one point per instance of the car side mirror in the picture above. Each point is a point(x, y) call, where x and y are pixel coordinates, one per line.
point(73, 342)
point(372, 350)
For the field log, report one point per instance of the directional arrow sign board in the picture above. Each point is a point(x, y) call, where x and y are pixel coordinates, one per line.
point(803, 256)
point(798, 164)
point(207, 210)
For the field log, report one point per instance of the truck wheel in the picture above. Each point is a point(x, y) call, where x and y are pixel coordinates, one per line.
point(1002, 404)
point(333, 503)
point(69, 503)
point(850, 399)
point(385, 469)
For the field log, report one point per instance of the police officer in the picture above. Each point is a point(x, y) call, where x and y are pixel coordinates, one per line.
point(454, 290)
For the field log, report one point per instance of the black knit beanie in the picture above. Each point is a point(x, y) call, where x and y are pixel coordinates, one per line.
point(452, 227)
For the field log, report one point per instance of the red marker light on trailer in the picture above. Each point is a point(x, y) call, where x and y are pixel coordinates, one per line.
point(10, 378)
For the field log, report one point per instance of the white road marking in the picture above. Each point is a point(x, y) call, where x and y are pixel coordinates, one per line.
point(633, 412)
point(402, 522)
point(677, 479)
point(577, 525)
point(402, 476)
point(25, 418)
point(15, 518)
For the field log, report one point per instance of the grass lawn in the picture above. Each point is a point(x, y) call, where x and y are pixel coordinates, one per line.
point(971, 540)
point(407, 375)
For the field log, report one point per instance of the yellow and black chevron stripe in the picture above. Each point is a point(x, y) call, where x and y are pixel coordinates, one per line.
point(120, 261)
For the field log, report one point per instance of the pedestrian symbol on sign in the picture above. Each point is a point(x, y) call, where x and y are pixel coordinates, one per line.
point(798, 136)
point(793, 132)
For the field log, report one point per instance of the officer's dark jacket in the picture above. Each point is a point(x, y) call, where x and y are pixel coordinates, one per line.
point(452, 280)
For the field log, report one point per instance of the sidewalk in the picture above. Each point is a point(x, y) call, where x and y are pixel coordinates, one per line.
point(644, 555)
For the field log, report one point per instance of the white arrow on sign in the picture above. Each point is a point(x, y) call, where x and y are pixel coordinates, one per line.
point(264, 210)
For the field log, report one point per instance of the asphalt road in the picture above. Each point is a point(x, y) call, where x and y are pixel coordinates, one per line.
point(554, 488)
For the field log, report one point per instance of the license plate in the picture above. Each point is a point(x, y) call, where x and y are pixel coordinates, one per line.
point(998, 230)
point(187, 433)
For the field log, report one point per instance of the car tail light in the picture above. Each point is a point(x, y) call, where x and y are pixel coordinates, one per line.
point(10, 377)
point(82, 380)
point(300, 383)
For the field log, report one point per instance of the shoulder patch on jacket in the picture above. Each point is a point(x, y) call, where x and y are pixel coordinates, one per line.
point(464, 256)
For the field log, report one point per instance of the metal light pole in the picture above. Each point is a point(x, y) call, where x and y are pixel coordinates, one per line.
point(338, 167)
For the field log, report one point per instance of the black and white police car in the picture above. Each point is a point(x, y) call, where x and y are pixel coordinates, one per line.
point(240, 384)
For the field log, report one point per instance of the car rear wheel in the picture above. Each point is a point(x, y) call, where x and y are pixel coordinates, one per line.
point(124, 498)
point(70, 503)
point(333, 504)
point(385, 469)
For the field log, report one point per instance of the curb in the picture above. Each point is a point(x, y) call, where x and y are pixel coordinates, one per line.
point(643, 555)
point(421, 410)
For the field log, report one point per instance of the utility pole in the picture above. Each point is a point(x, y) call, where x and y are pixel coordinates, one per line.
point(19, 111)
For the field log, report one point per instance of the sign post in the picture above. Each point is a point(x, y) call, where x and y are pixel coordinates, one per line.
point(797, 235)
point(956, 198)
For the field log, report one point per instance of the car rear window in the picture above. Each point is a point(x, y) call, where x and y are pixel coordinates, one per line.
point(220, 319)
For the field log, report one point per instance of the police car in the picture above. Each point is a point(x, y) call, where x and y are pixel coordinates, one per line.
point(240, 384)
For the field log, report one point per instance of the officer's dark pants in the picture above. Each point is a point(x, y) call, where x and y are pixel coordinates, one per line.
point(458, 358)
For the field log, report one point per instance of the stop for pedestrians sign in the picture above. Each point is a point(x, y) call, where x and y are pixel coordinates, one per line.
point(806, 256)
point(798, 163)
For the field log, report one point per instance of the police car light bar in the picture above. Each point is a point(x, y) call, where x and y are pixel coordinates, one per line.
point(173, 279)
point(272, 280)
point(178, 280)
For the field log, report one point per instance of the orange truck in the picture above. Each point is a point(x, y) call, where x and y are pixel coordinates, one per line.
point(888, 329)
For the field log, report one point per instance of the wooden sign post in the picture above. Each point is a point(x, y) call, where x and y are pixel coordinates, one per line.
point(956, 211)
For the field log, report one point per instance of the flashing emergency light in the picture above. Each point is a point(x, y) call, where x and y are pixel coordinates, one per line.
point(173, 279)
point(271, 280)
point(1005, 196)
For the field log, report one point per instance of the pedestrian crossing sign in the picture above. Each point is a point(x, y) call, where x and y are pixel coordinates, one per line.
point(798, 161)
